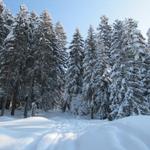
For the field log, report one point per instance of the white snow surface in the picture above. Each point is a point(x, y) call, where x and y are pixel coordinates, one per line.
point(66, 133)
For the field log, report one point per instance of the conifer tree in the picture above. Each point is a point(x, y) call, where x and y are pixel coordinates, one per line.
point(74, 76)
point(29, 79)
point(116, 46)
point(88, 69)
point(100, 82)
point(148, 41)
point(63, 56)
point(104, 36)
point(47, 71)
point(3, 32)
point(14, 58)
point(6, 21)
point(130, 99)
point(100, 77)
point(116, 59)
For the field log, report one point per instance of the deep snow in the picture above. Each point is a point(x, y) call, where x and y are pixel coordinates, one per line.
point(66, 133)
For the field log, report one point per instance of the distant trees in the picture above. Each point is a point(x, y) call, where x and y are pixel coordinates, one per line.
point(107, 76)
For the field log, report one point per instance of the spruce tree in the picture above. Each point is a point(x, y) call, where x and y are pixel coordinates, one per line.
point(29, 79)
point(100, 82)
point(88, 69)
point(6, 21)
point(100, 76)
point(147, 78)
point(148, 41)
point(104, 36)
point(130, 99)
point(63, 56)
point(116, 59)
point(74, 76)
point(147, 69)
point(116, 43)
point(3, 31)
point(47, 71)
point(14, 58)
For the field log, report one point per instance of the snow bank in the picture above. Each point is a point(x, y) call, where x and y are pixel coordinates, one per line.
point(38, 133)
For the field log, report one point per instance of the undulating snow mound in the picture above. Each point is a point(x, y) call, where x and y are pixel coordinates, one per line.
point(39, 133)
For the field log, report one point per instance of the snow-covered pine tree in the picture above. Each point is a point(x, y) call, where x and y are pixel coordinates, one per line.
point(116, 43)
point(147, 78)
point(116, 59)
point(3, 31)
point(6, 21)
point(148, 41)
point(62, 39)
point(130, 99)
point(14, 58)
point(100, 81)
point(43, 57)
point(104, 36)
point(100, 76)
point(74, 76)
point(29, 79)
point(147, 67)
point(63, 56)
point(47, 73)
point(88, 66)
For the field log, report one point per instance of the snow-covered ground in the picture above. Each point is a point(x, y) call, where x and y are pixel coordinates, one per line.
point(67, 133)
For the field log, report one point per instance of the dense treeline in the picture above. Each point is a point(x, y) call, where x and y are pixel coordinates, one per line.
point(105, 76)
point(32, 61)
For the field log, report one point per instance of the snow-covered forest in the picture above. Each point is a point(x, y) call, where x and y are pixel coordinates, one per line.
point(105, 75)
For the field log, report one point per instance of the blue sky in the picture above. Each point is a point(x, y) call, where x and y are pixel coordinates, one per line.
point(82, 13)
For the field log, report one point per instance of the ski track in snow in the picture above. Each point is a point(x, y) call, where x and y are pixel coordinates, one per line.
point(57, 133)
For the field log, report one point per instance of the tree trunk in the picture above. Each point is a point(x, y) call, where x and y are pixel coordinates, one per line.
point(14, 103)
point(1, 103)
point(92, 113)
point(26, 107)
point(8, 104)
point(64, 107)
point(3, 106)
point(92, 107)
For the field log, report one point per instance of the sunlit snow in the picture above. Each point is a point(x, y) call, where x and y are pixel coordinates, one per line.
point(63, 133)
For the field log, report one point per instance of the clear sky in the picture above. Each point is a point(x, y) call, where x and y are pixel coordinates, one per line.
point(82, 13)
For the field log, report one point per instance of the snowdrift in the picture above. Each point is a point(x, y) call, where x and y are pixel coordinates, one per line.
point(38, 133)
